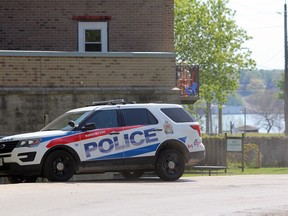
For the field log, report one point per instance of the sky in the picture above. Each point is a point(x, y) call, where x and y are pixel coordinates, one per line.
point(264, 21)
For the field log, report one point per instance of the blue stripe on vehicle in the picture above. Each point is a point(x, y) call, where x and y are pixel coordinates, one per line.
point(140, 151)
point(183, 139)
point(45, 139)
point(130, 153)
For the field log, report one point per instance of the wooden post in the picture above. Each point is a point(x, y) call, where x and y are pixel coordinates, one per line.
point(243, 158)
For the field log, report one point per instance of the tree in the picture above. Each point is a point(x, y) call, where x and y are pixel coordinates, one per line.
point(245, 78)
point(269, 109)
point(280, 85)
point(206, 34)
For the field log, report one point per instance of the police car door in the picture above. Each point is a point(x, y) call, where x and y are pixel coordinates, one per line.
point(142, 135)
point(102, 146)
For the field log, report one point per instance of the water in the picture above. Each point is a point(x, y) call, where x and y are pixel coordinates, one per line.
point(239, 120)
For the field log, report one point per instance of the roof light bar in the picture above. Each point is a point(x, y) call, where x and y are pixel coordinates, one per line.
point(109, 102)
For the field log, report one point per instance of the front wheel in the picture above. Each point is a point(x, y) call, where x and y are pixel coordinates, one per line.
point(59, 166)
point(170, 165)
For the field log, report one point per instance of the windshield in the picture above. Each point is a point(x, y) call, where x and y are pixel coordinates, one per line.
point(61, 123)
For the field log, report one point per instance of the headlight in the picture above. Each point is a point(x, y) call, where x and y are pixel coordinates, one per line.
point(29, 143)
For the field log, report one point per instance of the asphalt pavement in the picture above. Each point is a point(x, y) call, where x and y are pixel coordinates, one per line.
point(242, 195)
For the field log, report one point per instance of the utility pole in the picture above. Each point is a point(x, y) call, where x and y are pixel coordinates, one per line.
point(285, 71)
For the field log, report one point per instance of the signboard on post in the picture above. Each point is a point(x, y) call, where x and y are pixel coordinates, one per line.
point(235, 144)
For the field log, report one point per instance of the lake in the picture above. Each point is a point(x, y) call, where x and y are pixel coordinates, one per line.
point(239, 119)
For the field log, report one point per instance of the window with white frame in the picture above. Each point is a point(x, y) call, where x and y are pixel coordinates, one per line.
point(92, 36)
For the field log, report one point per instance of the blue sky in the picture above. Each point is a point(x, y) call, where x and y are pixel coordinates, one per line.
point(264, 21)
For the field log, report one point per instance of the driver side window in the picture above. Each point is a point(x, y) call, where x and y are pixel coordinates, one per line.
point(104, 119)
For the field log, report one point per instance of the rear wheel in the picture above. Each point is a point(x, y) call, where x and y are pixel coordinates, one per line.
point(21, 179)
point(59, 166)
point(170, 165)
point(131, 175)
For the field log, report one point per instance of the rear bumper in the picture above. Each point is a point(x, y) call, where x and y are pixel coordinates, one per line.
point(195, 157)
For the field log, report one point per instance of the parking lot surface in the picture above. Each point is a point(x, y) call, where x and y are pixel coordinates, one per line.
point(258, 195)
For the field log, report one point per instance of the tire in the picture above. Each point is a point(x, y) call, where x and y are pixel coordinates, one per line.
point(21, 179)
point(59, 166)
point(170, 165)
point(132, 175)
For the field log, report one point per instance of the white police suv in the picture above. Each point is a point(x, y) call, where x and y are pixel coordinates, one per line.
point(107, 136)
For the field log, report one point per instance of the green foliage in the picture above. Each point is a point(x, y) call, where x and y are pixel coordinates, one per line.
point(280, 86)
point(252, 155)
point(206, 34)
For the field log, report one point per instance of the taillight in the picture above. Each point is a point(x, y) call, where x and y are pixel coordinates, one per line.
point(197, 128)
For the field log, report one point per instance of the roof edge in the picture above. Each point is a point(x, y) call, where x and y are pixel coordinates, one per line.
point(87, 54)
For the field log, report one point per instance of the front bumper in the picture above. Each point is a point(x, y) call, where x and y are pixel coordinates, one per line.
point(11, 157)
point(15, 169)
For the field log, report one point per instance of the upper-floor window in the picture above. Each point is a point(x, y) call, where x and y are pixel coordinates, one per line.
point(92, 36)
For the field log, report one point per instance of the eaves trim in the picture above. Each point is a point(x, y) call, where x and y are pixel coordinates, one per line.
point(88, 54)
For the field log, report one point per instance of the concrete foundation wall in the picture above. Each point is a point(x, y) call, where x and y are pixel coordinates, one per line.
point(23, 110)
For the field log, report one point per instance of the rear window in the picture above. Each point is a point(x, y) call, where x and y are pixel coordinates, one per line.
point(177, 114)
point(139, 117)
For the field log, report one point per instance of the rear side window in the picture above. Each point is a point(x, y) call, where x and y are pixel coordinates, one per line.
point(138, 117)
point(177, 114)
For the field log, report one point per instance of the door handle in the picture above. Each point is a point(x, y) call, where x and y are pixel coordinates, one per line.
point(114, 133)
point(157, 129)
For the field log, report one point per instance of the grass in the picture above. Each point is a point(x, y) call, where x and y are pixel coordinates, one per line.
point(255, 171)
point(238, 171)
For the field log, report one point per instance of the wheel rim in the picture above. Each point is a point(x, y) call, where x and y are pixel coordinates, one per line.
point(171, 164)
point(60, 165)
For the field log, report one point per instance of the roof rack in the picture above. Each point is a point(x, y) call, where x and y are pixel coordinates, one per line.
point(109, 102)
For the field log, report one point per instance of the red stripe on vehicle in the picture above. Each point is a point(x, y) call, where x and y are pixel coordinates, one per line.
point(86, 135)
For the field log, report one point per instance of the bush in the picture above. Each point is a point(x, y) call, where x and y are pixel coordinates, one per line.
point(252, 157)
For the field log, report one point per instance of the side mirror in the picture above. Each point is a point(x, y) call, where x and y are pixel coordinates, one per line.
point(72, 124)
point(90, 126)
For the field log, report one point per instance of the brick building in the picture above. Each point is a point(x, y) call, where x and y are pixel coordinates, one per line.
point(57, 55)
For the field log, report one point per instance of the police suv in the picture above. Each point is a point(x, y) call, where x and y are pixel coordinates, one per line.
point(108, 136)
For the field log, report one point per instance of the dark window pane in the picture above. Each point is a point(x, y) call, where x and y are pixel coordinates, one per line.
point(104, 119)
point(93, 48)
point(152, 119)
point(138, 117)
point(92, 35)
point(177, 114)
